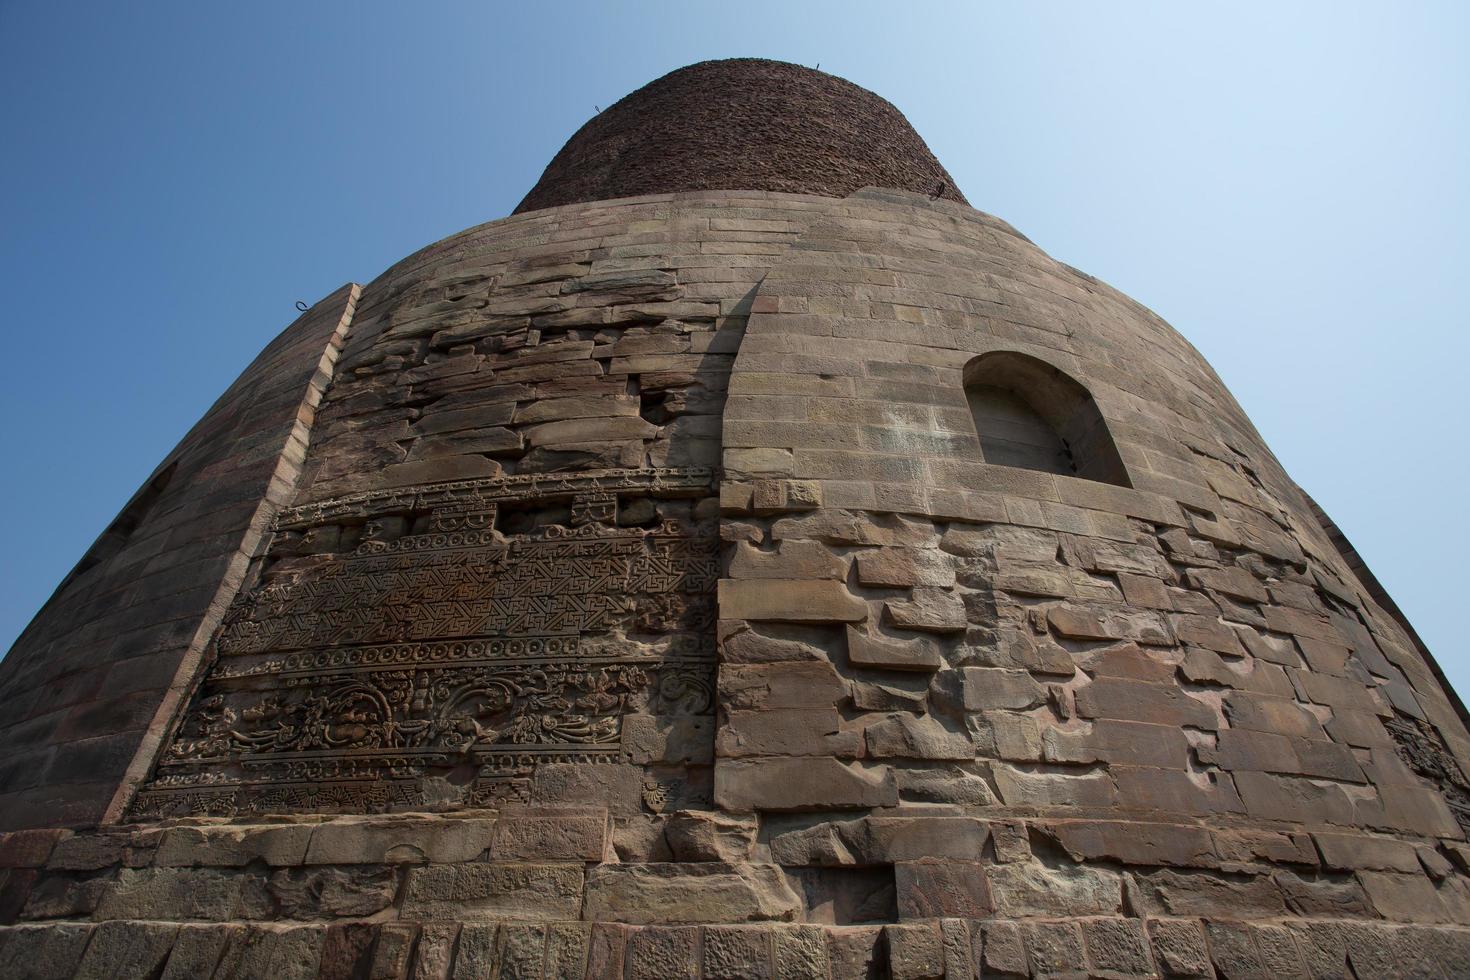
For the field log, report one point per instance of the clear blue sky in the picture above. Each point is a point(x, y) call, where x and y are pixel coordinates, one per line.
point(1286, 183)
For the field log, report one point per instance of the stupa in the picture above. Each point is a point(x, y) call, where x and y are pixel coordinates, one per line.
point(745, 560)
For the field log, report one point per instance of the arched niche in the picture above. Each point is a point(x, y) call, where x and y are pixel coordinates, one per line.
point(1031, 415)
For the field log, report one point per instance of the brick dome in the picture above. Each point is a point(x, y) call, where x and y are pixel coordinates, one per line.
point(742, 124)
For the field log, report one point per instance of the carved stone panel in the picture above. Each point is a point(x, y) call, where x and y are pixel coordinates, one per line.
point(413, 652)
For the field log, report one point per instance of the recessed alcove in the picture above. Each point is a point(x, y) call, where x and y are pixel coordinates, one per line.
point(1031, 415)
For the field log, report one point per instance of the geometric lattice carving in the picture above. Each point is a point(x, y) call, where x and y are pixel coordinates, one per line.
point(451, 661)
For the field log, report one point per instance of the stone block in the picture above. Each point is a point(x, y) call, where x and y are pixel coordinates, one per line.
point(689, 893)
point(550, 834)
point(233, 846)
point(856, 952)
point(393, 952)
point(477, 954)
point(787, 732)
point(941, 888)
point(1026, 889)
point(418, 840)
point(469, 892)
point(915, 952)
point(329, 891)
point(1117, 947)
point(433, 954)
point(906, 736)
point(1055, 948)
point(904, 568)
point(1110, 623)
point(1155, 704)
point(670, 739)
point(697, 835)
point(987, 688)
point(885, 653)
point(801, 784)
point(566, 951)
point(522, 951)
point(790, 560)
point(1179, 947)
point(127, 951)
point(929, 610)
point(799, 952)
point(28, 848)
point(278, 953)
point(791, 685)
point(1404, 898)
point(775, 600)
point(347, 951)
point(185, 893)
point(66, 896)
point(1004, 951)
point(196, 950)
point(50, 952)
point(1135, 842)
point(1233, 950)
point(656, 953)
point(1279, 953)
point(1346, 852)
point(733, 953)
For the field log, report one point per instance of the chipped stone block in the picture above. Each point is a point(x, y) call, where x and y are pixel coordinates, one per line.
point(733, 953)
point(123, 950)
point(801, 784)
point(941, 888)
point(695, 835)
point(469, 892)
point(699, 892)
point(799, 952)
point(1054, 948)
point(929, 610)
point(236, 847)
point(550, 834)
point(1179, 947)
point(884, 653)
point(915, 952)
point(399, 841)
point(777, 600)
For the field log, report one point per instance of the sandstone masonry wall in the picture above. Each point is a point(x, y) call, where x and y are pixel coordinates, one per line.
point(85, 680)
point(645, 609)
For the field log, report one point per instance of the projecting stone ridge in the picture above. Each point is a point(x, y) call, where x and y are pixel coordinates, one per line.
point(728, 584)
point(742, 124)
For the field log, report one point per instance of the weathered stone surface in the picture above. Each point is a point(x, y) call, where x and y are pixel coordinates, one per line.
point(695, 835)
point(1028, 889)
point(885, 653)
point(318, 892)
point(1179, 947)
point(790, 601)
point(700, 892)
point(915, 952)
point(493, 891)
point(801, 784)
point(127, 951)
point(938, 889)
point(186, 893)
point(233, 846)
point(538, 834)
point(737, 954)
point(399, 841)
point(197, 949)
point(930, 610)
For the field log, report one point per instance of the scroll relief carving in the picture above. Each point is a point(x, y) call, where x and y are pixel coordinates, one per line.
point(441, 660)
